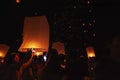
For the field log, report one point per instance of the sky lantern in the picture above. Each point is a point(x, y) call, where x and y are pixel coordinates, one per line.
point(90, 52)
point(3, 50)
point(59, 47)
point(35, 34)
point(18, 1)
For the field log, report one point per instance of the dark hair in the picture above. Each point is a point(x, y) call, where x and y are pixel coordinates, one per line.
point(53, 52)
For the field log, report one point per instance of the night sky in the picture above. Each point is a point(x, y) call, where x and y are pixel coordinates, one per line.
point(107, 23)
point(107, 18)
point(107, 13)
point(11, 15)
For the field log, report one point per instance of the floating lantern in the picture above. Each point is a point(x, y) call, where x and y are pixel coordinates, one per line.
point(90, 52)
point(3, 50)
point(35, 34)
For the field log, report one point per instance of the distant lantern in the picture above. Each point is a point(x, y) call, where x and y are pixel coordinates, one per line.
point(59, 47)
point(90, 52)
point(3, 50)
point(83, 24)
point(18, 1)
point(35, 35)
point(88, 2)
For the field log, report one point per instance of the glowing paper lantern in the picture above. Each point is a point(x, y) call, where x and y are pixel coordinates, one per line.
point(35, 34)
point(18, 1)
point(3, 50)
point(90, 52)
point(59, 47)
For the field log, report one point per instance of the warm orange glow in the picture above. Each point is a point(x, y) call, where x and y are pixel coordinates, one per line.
point(63, 66)
point(3, 50)
point(18, 1)
point(33, 44)
point(38, 53)
point(90, 52)
point(35, 33)
point(59, 46)
point(2, 60)
point(91, 55)
point(1, 54)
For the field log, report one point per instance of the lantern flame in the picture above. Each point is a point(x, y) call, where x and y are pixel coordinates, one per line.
point(38, 53)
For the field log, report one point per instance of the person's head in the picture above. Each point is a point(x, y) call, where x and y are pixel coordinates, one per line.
point(61, 58)
point(52, 56)
point(25, 56)
point(38, 59)
point(53, 53)
point(14, 56)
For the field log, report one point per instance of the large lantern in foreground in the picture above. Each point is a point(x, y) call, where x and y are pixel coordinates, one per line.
point(35, 34)
point(59, 47)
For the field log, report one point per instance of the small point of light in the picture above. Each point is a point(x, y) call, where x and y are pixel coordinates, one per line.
point(85, 31)
point(45, 58)
point(65, 60)
point(88, 2)
point(69, 26)
point(2, 61)
point(83, 24)
point(90, 24)
point(92, 68)
point(74, 6)
point(94, 35)
point(63, 66)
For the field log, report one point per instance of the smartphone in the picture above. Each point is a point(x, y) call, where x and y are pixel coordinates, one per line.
point(45, 56)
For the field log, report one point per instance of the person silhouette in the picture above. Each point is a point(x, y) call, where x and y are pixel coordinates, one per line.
point(10, 70)
point(77, 68)
point(25, 71)
point(52, 71)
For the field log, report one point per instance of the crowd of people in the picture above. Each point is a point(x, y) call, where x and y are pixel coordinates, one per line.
point(28, 66)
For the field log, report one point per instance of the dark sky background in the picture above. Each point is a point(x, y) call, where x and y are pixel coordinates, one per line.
point(107, 18)
point(10, 14)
